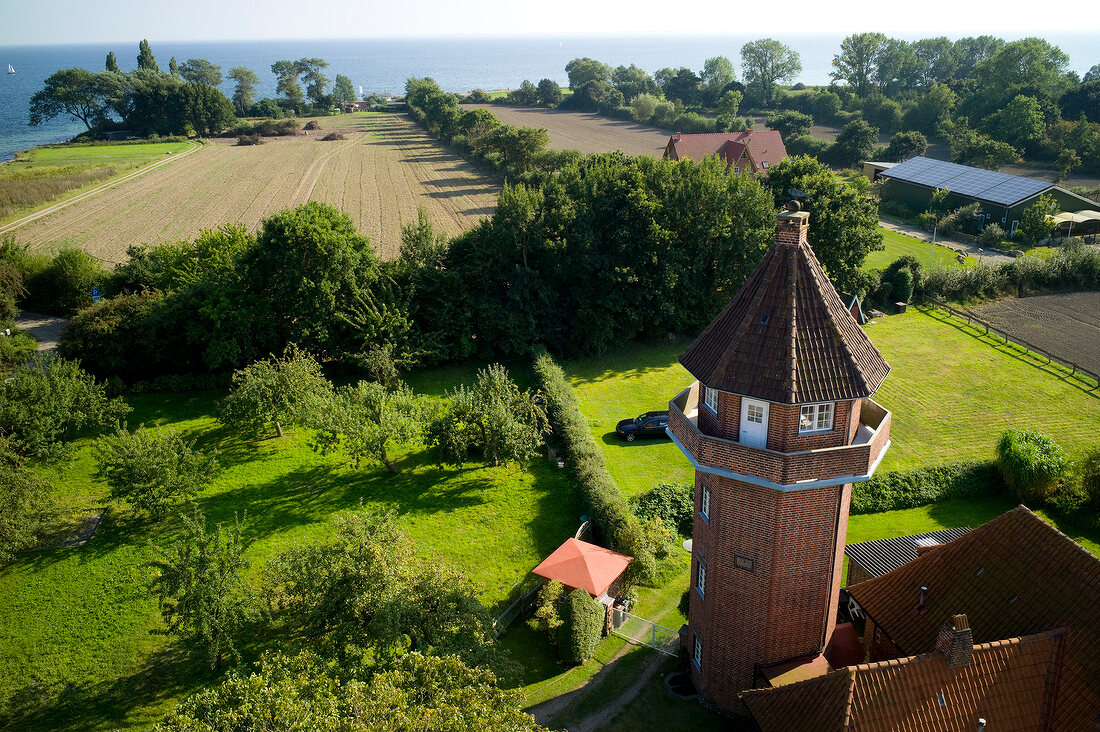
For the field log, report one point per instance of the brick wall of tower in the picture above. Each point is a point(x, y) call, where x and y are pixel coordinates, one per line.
point(780, 609)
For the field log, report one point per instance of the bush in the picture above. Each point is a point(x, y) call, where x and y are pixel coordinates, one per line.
point(922, 486)
point(807, 145)
point(250, 140)
point(581, 627)
point(1088, 473)
point(477, 96)
point(150, 468)
point(609, 508)
point(644, 106)
point(312, 125)
point(65, 284)
point(992, 236)
point(334, 136)
point(15, 349)
point(673, 503)
point(1031, 463)
point(692, 122)
point(896, 209)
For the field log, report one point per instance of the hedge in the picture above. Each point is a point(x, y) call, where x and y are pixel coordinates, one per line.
point(607, 506)
point(581, 627)
point(922, 486)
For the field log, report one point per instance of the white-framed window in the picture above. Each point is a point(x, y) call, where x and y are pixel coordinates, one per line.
point(701, 579)
point(710, 398)
point(705, 508)
point(764, 164)
point(815, 418)
point(697, 656)
point(754, 413)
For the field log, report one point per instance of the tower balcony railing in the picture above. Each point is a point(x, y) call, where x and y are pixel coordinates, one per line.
point(784, 470)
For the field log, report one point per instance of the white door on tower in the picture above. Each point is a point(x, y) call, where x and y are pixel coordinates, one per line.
point(754, 423)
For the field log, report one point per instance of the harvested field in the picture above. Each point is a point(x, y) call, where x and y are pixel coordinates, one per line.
point(1067, 325)
point(589, 133)
point(379, 175)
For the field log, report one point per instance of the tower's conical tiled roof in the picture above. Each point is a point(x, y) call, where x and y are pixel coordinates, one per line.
point(786, 336)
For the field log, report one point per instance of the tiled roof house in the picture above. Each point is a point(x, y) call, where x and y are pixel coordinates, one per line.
point(1001, 625)
point(746, 151)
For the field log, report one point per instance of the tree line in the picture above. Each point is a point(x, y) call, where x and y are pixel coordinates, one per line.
point(185, 99)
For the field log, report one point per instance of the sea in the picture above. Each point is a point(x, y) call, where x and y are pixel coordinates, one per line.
point(458, 64)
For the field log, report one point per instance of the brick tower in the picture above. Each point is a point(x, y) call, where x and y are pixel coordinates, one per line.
point(778, 426)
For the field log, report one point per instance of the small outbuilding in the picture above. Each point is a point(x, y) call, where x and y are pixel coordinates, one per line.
point(579, 565)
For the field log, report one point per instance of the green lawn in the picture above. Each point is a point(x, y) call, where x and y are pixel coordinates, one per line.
point(48, 174)
point(898, 245)
point(75, 645)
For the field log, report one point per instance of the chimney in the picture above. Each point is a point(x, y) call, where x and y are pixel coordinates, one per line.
point(792, 226)
point(956, 641)
point(922, 605)
point(677, 136)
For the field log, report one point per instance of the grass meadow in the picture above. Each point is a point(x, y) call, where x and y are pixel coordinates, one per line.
point(47, 174)
point(77, 642)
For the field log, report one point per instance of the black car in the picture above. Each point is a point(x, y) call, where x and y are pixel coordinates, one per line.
point(650, 424)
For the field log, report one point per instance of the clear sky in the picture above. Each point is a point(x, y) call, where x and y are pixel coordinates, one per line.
point(83, 21)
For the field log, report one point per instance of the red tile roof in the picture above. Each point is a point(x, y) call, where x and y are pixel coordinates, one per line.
point(1013, 576)
point(764, 146)
point(1009, 683)
point(585, 566)
point(787, 337)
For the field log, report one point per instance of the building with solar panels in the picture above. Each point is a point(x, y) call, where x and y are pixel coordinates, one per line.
point(1003, 197)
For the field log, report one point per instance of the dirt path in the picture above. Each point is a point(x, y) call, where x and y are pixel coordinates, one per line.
point(45, 328)
point(98, 189)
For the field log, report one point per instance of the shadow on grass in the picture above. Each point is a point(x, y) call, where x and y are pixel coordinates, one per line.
point(612, 439)
point(166, 675)
point(634, 361)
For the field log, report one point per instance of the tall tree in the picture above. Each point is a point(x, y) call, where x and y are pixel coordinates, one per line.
point(202, 594)
point(1092, 74)
point(632, 81)
point(244, 93)
point(583, 70)
point(549, 93)
point(939, 58)
point(112, 62)
point(858, 60)
point(899, 68)
point(843, 218)
point(717, 74)
point(971, 51)
point(343, 92)
point(287, 73)
point(684, 85)
point(310, 71)
point(173, 67)
point(81, 94)
point(766, 62)
point(201, 71)
point(145, 59)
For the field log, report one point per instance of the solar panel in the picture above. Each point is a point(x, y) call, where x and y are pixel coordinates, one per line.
point(987, 185)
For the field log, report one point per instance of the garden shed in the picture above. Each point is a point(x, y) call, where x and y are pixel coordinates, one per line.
point(580, 565)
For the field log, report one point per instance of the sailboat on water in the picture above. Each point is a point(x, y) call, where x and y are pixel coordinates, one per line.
point(10, 69)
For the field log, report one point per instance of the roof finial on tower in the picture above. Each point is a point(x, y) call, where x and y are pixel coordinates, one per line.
point(794, 206)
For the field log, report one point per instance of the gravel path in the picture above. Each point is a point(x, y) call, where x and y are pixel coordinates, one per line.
point(958, 245)
point(45, 328)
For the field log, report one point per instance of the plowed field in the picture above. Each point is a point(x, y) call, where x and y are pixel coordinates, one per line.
point(379, 175)
point(1066, 325)
point(589, 133)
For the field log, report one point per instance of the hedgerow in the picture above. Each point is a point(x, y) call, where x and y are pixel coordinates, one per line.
point(582, 625)
point(608, 507)
point(922, 486)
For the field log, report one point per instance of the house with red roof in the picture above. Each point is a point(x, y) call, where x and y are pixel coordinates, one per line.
point(746, 151)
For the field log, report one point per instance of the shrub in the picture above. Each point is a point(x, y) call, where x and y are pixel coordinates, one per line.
point(65, 284)
point(546, 616)
point(673, 503)
point(608, 506)
point(312, 125)
point(1031, 463)
point(807, 145)
point(992, 236)
point(922, 486)
point(477, 96)
point(643, 106)
point(896, 209)
point(334, 136)
point(692, 122)
point(250, 140)
point(150, 468)
point(581, 627)
point(15, 349)
point(1088, 473)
